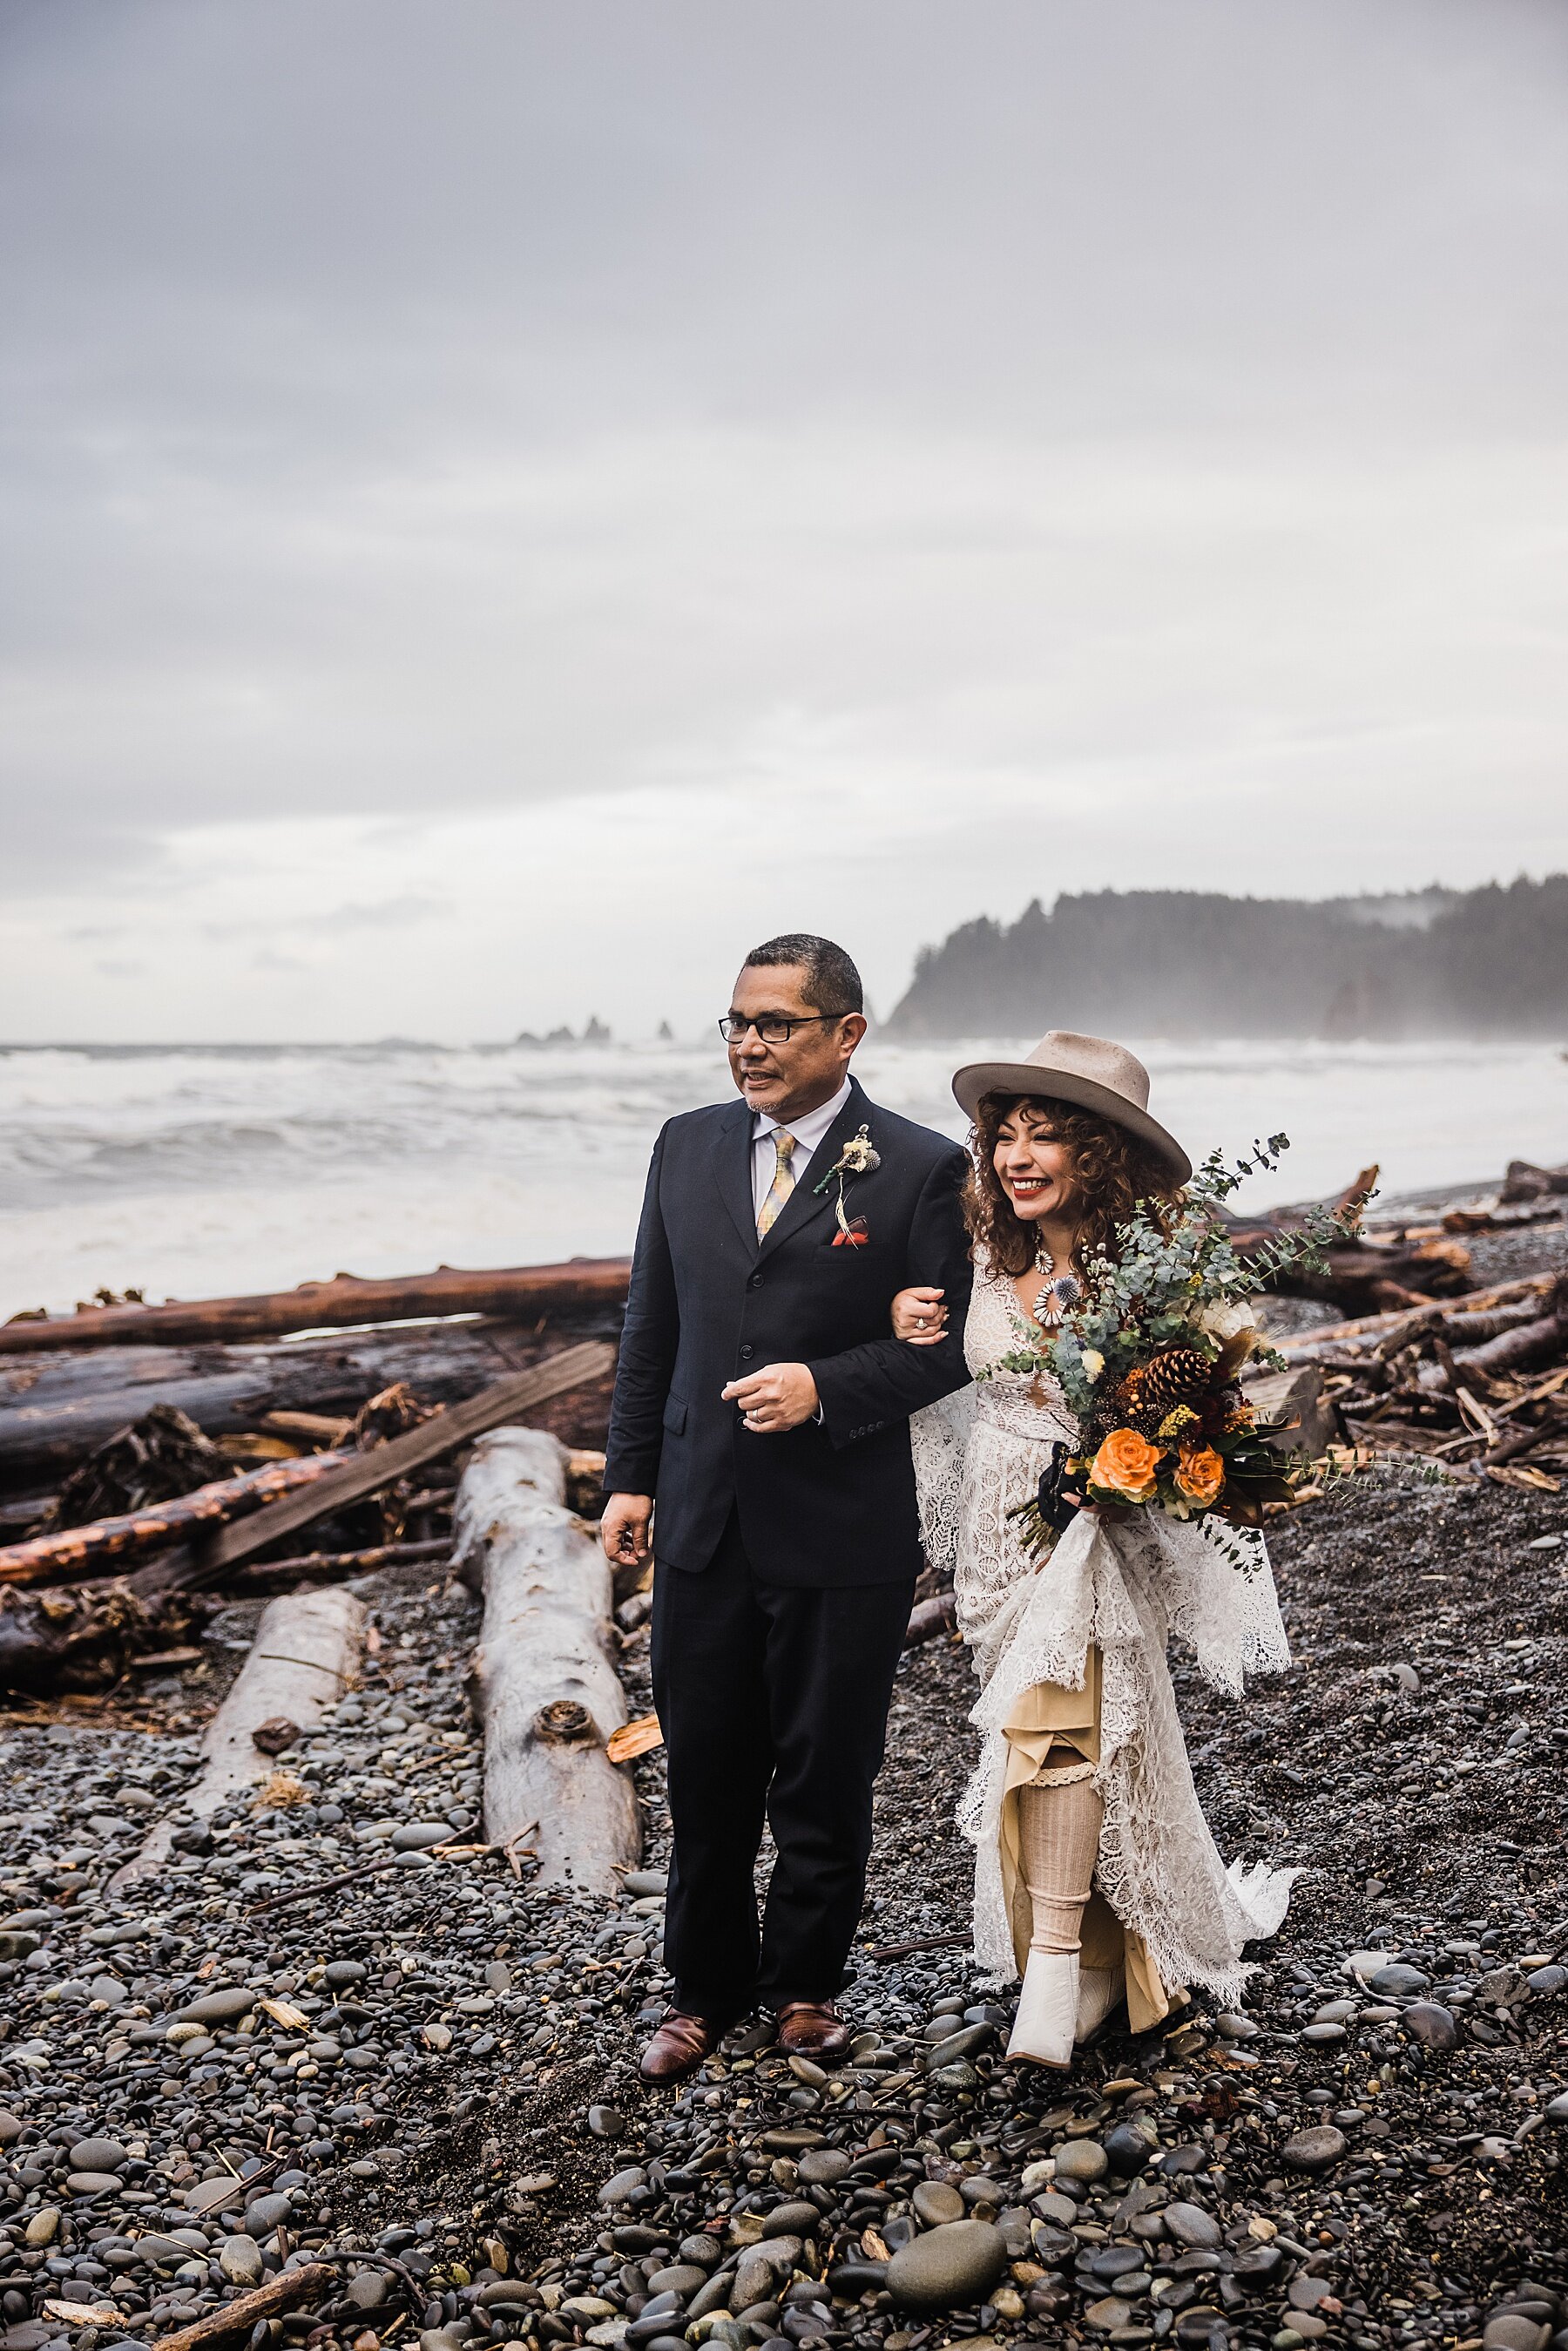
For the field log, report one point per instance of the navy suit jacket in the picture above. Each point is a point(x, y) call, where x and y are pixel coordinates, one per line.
point(830, 1502)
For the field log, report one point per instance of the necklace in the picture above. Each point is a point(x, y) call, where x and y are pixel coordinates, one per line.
point(1057, 1292)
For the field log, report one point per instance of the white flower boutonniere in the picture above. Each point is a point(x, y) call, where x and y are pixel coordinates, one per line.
point(858, 1158)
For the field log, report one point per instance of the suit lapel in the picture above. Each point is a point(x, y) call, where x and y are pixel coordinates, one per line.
point(732, 1173)
point(806, 1202)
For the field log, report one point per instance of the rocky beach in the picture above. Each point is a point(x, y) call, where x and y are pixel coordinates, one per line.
point(421, 2080)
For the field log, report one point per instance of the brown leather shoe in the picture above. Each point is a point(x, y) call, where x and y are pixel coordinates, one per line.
point(814, 2029)
point(679, 2047)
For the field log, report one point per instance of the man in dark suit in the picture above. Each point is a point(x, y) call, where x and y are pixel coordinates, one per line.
point(762, 1403)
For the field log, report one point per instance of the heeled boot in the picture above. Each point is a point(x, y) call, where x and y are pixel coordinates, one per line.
point(1101, 1991)
point(1042, 2029)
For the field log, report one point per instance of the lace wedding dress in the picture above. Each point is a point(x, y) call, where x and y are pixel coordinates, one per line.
point(1120, 1587)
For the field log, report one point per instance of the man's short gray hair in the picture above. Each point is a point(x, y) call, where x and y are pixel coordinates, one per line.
point(831, 982)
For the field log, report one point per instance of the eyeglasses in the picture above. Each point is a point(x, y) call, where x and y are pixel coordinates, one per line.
point(772, 1029)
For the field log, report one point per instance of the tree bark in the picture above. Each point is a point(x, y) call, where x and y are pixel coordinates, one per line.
point(307, 1648)
point(548, 1693)
point(516, 1290)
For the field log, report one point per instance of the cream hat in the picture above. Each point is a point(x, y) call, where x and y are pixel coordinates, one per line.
point(1088, 1071)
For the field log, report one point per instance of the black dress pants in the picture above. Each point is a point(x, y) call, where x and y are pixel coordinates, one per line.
point(773, 1703)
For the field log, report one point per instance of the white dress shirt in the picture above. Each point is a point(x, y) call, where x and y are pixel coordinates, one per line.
point(807, 1132)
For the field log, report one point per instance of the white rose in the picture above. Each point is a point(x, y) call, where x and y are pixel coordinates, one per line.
point(1093, 1363)
point(1227, 1319)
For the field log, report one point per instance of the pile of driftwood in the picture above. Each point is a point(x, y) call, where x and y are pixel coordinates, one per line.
point(1482, 1385)
point(156, 1458)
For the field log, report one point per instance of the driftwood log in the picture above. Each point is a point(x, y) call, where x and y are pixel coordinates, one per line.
point(1297, 1397)
point(516, 1290)
point(307, 1488)
point(546, 1689)
point(305, 1652)
point(94, 1549)
point(57, 1407)
point(1482, 1314)
point(1361, 1271)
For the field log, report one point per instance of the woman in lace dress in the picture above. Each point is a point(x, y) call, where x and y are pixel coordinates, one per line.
point(1096, 1878)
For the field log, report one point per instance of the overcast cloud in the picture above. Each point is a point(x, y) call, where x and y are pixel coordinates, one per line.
point(504, 503)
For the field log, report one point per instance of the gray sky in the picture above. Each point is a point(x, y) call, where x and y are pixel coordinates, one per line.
point(506, 503)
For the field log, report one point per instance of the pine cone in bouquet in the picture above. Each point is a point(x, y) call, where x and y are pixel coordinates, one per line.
point(1178, 1376)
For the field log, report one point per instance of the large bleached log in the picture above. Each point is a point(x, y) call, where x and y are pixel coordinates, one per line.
point(547, 1692)
point(58, 1407)
point(519, 1289)
point(305, 1652)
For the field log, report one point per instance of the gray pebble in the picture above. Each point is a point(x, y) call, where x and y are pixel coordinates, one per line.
point(957, 2263)
point(1082, 2159)
point(936, 2201)
point(1190, 2225)
point(239, 2258)
point(414, 1836)
point(1431, 2024)
point(1315, 2149)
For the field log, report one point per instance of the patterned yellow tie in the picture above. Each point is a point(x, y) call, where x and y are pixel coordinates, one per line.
point(782, 1185)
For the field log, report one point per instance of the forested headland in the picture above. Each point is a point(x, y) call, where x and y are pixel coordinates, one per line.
point(1491, 962)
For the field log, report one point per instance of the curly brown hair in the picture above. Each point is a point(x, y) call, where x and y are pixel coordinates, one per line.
point(1112, 1173)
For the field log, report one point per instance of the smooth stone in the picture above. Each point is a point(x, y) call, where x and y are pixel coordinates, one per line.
point(1557, 2111)
point(683, 2278)
point(956, 2263)
point(42, 2227)
point(1259, 2265)
point(1313, 2150)
point(1231, 2027)
point(369, 2290)
point(92, 2183)
point(214, 2196)
point(1431, 2024)
point(958, 2045)
point(98, 2154)
point(1106, 2315)
point(1189, 2224)
point(1082, 2159)
point(1398, 1980)
point(1323, 2035)
point(415, 1836)
point(1546, 1983)
point(855, 2278)
point(267, 2213)
point(11, 2126)
point(936, 2202)
point(1130, 2148)
point(797, 2219)
point(239, 2258)
point(221, 2007)
point(819, 2166)
point(606, 2122)
point(702, 2251)
point(643, 1882)
point(1306, 2292)
point(954, 2078)
point(341, 1973)
point(623, 2185)
point(1505, 2331)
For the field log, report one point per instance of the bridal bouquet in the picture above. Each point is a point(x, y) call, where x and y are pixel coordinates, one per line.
point(1148, 1355)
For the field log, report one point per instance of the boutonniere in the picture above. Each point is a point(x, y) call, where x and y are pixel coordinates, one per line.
point(858, 1158)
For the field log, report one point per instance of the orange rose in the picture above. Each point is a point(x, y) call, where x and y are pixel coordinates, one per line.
point(1200, 1473)
point(1125, 1465)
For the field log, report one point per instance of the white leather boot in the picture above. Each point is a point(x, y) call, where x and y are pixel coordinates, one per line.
point(1048, 2010)
point(1100, 1991)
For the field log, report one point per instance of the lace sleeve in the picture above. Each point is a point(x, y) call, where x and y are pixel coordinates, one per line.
point(939, 1441)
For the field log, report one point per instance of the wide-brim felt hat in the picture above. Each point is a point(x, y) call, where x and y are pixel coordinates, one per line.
point(1090, 1071)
